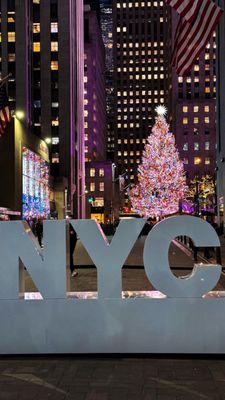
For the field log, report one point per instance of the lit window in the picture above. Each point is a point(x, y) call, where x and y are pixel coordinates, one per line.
point(54, 27)
point(101, 186)
point(54, 46)
point(92, 172)
point(185, 121)
point(196, 109)
point(207, 145)
point(55, 140)
point(11, 57)
point(196, 120)
point(36, 47)
point(92, 187)
point(11, 37)
point(55, 158)
point(207, 161)
point(197, 160)
point(206, 119)
point(206, 109)
point(54, 65)
point(196, 146)
point(36, 28)
point(101, 172)
point(185, 146)
point(55, 122)
point(185, 109)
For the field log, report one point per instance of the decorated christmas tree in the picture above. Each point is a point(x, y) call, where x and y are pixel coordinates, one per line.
point(161, 178)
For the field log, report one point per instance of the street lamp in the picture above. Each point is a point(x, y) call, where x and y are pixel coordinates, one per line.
point(19, 114)
point(48, 140)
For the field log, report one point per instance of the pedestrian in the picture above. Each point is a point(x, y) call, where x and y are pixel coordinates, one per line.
point(39, 230)
point(73, 241)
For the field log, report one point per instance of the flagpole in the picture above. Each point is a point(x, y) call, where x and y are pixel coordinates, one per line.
point(5, 79)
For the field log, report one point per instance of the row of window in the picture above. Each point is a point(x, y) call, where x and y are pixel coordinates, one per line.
point(37, 47)
point(195, 109)
point(136, 93)
point(196, 146)
point(93, 171)
point(198, 161)
point(143, 69)
point(138, 4)
point(143, 44)
point(93, 187)
point(196, 120)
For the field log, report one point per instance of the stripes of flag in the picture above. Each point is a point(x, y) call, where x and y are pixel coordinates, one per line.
point(5, 114)
point(198, 20)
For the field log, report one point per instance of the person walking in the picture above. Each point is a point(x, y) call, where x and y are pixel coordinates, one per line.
point(39, 230)
point(73, 241)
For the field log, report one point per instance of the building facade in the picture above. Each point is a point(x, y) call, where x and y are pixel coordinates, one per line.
point(141, 76)
point(107, 35)
point(98, 179)
point(94, 88)
point(42, 49)
point(194, 113)
point(220, 169)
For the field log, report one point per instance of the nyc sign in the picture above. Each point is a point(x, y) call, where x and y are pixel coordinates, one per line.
point(181, 322)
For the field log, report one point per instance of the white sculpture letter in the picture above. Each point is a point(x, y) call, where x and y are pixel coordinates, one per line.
point(203, 277)
point(108, 258)
point(47, 268)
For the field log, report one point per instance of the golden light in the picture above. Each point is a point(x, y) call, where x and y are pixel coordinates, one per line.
point(48, 140)
point(20, 114)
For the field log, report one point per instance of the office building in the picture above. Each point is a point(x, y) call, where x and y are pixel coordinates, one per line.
point(42, 47)
point(141, 76)
point(98, 171)
point(194, 113)
point(220, 168)
point(107, 35)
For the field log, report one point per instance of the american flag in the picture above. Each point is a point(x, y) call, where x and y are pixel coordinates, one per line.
point(198, 20)
point(5, 114)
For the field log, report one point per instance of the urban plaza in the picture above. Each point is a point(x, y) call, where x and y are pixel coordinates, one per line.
point(112, 223)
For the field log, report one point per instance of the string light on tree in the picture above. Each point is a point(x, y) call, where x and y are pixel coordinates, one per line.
point(161, 177)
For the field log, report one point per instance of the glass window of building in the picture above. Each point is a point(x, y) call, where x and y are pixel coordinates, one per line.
point(196, 146)
point(207, 161)
point(185, 146)
point(101, 172)
point(92, 172)
point(92, 187)
point(101, 186)
point(207, 145)
point(197, 160)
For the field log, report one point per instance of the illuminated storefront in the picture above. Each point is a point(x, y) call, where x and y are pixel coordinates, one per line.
point(24, 174)
point(35, 185)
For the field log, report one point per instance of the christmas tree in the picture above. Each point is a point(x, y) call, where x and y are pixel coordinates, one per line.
point(161, 178)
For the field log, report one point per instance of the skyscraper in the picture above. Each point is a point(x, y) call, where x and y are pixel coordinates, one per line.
point(220, 168)
point(141, 76)
point(107, 34)
point(42, 47)
point(98, 171)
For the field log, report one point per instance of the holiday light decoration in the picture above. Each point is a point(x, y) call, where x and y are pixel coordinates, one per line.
point(35, 185)
point(161, 178)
